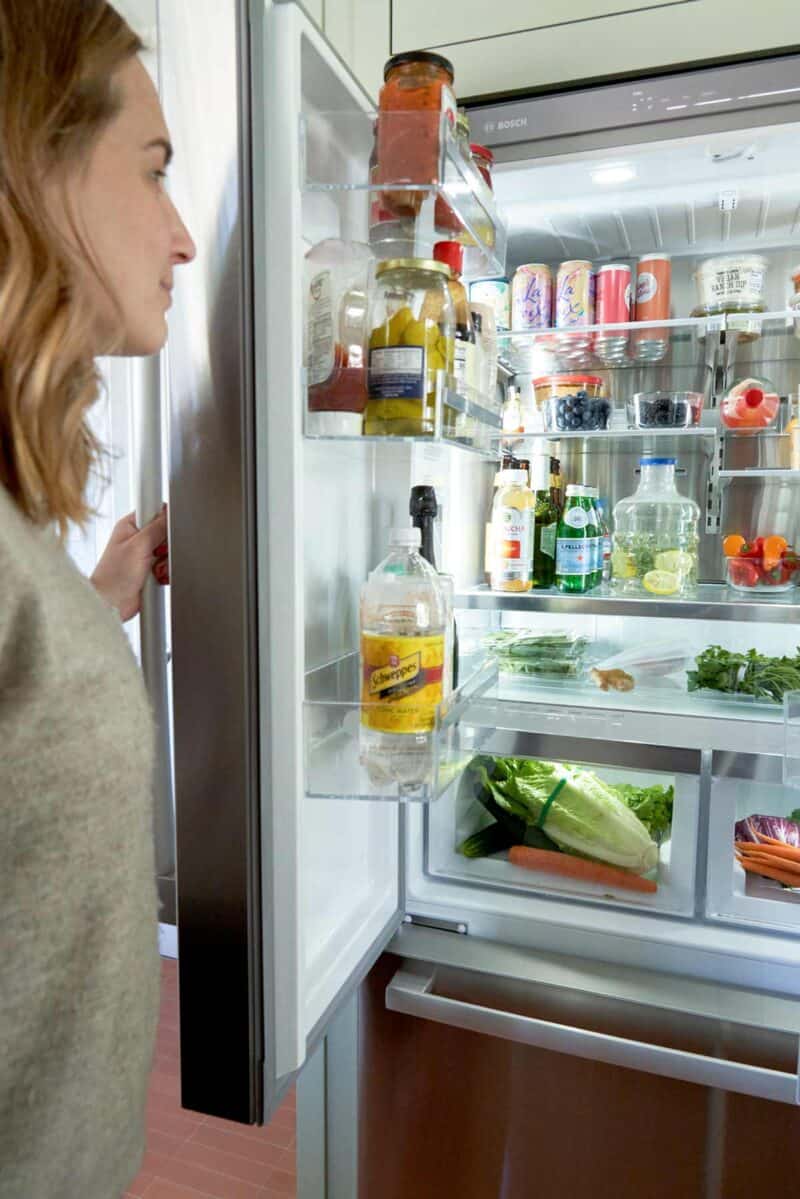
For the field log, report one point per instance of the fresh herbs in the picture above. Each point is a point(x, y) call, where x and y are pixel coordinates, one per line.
point(747, 673)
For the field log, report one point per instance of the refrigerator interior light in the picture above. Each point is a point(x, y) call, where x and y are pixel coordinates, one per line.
point(613, 174)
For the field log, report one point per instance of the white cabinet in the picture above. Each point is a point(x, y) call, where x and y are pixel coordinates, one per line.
point(473, 20)
point(359, 31)
point(518, 45)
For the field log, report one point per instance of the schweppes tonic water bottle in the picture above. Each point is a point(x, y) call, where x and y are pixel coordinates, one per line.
point(404, 675)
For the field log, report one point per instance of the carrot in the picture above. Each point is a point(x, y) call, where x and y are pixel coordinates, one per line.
point(790, 852)
point(764, 840)
point(768, 859)
point(790, 880)
point(551, 862)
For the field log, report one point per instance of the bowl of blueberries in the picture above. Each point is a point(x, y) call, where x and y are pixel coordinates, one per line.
point(665, 409)
point(572, 403)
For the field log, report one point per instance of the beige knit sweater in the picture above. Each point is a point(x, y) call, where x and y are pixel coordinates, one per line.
point(78, 935)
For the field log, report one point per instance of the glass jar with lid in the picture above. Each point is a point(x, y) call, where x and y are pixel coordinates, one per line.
point(484, 161)
point(411, 349)
point(416, 95)
point(655, 535)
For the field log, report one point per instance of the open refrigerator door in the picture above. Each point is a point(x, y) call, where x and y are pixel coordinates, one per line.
point(578, 787)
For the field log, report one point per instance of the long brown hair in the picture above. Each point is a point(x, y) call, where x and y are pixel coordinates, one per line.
point(57, 92)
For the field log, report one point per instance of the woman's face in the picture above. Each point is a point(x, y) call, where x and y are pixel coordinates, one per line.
point(127, 220)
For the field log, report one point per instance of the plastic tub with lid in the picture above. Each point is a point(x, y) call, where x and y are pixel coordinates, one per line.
point(732, 283)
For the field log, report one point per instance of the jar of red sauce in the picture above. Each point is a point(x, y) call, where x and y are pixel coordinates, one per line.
point(419, 85)
point(484, 161)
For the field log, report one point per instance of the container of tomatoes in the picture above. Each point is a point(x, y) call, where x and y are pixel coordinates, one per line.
point(766, 564)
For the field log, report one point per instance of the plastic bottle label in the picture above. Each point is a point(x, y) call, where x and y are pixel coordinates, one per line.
point(397, 372)
point(547, 539)
point(464, 366)
point(574, 557)
point(401, 682)
point(576, 518)
point(320, 329)
point(513, 543)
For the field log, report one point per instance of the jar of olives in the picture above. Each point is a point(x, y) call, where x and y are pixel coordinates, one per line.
point(411, 349)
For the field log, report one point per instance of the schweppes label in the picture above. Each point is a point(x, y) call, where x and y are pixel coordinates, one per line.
point(401, 683)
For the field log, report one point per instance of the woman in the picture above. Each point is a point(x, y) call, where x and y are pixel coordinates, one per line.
point(88, 244)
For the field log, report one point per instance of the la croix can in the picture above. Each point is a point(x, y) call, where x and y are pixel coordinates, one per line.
point(532, 297)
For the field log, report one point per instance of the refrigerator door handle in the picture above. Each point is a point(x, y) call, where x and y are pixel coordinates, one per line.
point(412, 994)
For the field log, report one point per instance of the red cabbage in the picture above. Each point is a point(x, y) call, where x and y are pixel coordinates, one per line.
point(779, 827)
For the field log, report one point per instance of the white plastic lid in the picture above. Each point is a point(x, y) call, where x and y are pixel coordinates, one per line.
point(513, 476)
point(576, 489)
point(409, 536)
point(334, 424)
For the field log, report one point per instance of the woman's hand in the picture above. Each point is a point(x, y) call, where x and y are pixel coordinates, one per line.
point(127, 560)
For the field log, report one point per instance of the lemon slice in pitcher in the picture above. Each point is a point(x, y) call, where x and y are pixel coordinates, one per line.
point(675, 562)
point(661, 582)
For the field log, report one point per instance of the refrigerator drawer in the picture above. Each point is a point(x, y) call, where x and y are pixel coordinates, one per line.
point(594, 742)
point(748, 1045)
point(746, 785)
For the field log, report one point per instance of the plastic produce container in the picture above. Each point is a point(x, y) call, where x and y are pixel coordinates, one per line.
point(664, 409)
point(572, 403)
point(576, 413)
point(748, 574)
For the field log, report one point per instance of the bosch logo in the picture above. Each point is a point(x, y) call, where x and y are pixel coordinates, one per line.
point(515, 123)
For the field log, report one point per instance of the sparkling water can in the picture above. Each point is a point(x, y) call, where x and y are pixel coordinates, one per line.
point(532, 297)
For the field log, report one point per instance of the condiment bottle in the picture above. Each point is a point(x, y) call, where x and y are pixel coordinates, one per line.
point(452, 254)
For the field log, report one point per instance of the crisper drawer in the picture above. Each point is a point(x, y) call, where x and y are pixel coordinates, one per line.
point(746, 785)
point(577, 739)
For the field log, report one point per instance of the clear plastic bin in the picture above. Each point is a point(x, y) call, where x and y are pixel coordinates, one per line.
point(664, 409)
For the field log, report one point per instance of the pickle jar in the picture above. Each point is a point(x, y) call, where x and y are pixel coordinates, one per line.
point(416, 95)
point(411, 349)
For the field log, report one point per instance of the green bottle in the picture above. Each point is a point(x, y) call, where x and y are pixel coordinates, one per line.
point(546, 524)
point(575, 542)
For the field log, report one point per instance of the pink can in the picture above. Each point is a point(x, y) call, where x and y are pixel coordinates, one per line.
point(612, 306)
point(574, 307)
point(532, 297)
point(612, 303)
point(575, 294)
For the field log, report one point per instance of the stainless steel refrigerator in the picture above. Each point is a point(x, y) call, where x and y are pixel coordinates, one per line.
point(517, 1036)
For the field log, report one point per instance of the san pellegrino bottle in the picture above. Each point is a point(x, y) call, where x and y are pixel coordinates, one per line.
point(575, 548)
point(605, 539)
point(597, 549)
point(404, 615)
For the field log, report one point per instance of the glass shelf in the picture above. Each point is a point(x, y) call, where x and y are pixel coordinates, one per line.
point(712, 601)
point(343, 760)
point(686, 344)
point(761, 474)
point(470, 422)
point(614, 435)
point(336, 152)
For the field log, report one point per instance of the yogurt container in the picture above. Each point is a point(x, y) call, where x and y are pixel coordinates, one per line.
point(732, 283)
point(496, 292)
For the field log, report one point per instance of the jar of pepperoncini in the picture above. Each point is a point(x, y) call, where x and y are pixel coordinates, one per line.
point(416, 94)
point(411, 348)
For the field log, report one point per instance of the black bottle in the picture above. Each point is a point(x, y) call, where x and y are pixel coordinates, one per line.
point(424, 509)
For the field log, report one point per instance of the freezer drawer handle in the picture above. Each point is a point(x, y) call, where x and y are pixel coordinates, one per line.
point(412, 994)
